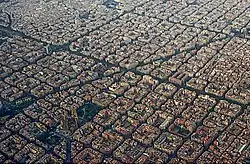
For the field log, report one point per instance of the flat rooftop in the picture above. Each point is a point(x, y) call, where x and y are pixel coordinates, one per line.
point(125, 81)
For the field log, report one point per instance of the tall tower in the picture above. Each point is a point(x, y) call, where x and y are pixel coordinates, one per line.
point(70, 120)
point(74, 116)
point(65, 121)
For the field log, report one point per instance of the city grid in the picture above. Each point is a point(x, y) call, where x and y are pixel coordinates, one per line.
point(125, 81)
